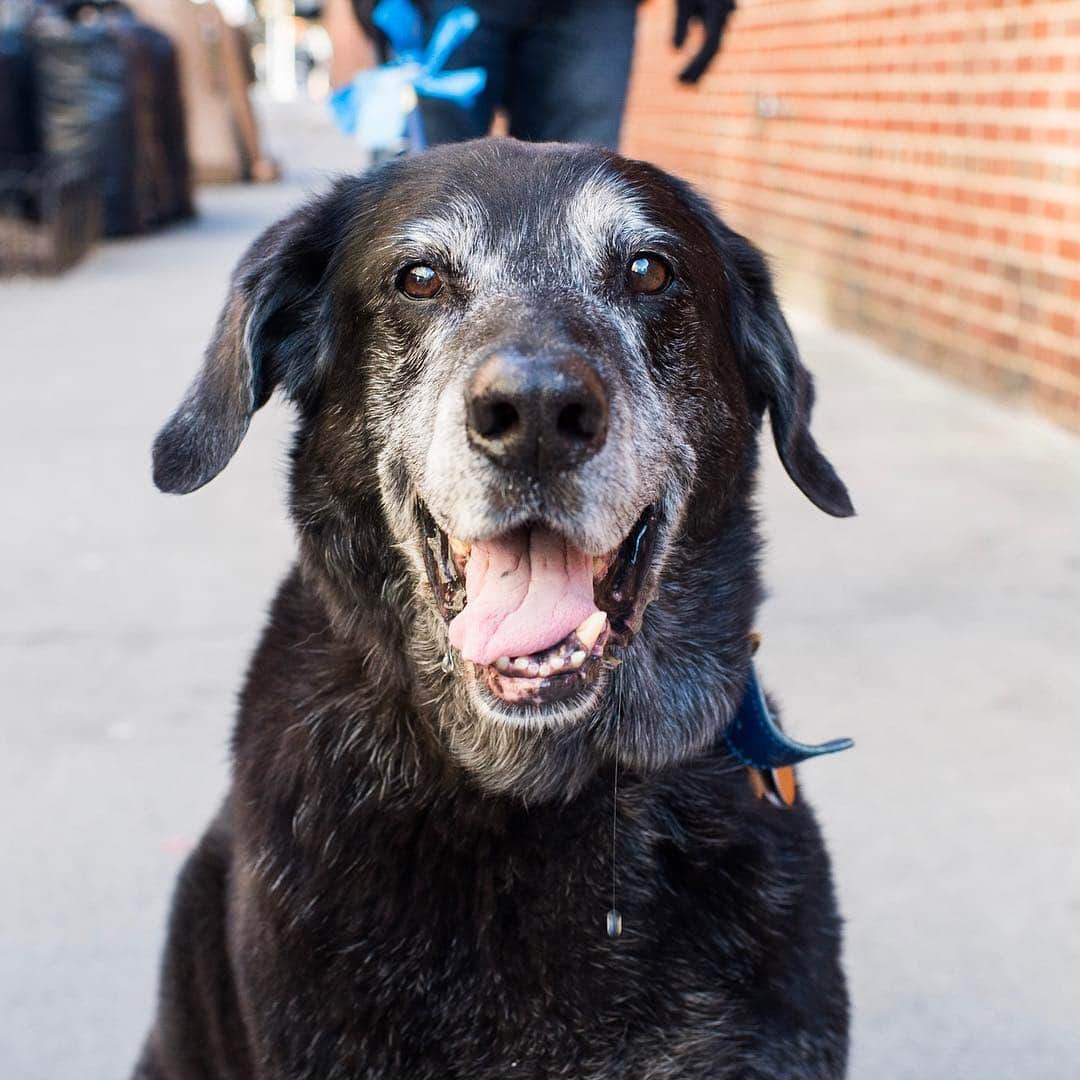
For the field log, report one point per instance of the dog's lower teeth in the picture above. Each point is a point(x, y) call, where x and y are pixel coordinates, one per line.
point(568, 655)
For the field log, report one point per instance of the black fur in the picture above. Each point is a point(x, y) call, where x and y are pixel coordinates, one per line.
point(396, 887)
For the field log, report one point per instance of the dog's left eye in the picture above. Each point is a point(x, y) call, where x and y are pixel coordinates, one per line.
point(420, 282)
point(647, 273)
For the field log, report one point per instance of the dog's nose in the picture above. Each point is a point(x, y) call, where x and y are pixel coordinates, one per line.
point(536, 413)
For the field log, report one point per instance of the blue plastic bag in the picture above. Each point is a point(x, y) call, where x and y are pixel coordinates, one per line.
point(379, 107)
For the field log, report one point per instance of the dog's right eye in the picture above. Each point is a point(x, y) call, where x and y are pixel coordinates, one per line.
point(420, 282)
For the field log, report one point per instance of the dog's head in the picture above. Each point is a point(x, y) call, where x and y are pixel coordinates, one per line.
point(529, 381)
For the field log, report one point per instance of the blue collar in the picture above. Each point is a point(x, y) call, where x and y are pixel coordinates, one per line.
point(755, 738)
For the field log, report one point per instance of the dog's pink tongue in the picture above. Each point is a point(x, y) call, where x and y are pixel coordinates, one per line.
point(526, 591)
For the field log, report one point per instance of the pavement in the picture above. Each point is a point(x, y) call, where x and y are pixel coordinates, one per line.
point(938, 628)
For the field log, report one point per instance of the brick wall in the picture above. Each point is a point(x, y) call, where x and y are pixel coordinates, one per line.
point(913, 170)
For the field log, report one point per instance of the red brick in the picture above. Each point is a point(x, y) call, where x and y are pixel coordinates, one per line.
point(921, 182)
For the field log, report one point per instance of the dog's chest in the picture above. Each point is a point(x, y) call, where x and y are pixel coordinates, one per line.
point(484, 954)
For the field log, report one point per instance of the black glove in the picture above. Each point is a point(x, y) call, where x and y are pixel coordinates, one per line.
point(714, 15)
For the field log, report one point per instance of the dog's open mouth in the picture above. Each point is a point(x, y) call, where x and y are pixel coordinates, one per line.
point(535, 615)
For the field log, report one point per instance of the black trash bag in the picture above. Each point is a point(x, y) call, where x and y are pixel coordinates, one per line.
point(20, 139)
point(87, 91)
point(163, 176)
point(110, 99)
point(168, 151)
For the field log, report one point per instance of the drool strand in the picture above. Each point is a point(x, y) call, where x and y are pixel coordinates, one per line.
point(614, 917)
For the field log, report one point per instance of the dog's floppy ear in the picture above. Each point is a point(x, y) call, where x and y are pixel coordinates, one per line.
point(765, 349)
point(275, 329)
point(775, 375)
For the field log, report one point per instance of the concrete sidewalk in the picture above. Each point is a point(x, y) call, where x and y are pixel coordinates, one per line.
point(939, 628)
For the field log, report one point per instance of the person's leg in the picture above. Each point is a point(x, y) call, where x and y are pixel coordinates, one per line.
point(352, 51)
point(487, 47)
point(569, 72)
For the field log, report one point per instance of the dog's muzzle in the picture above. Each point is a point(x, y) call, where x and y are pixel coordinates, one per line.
point(531, 612)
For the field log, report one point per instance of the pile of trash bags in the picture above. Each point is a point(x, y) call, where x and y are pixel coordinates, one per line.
point(108, 100)
point(97, 109)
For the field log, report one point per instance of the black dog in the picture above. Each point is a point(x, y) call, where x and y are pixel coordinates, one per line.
point(529, 382)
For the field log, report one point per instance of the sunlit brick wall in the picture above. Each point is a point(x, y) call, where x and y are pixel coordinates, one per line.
point(913, 170)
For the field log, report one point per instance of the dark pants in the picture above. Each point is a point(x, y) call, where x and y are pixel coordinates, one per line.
point(560, 69)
